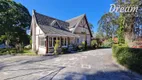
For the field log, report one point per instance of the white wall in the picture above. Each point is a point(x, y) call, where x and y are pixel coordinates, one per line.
point(42, 50)
point(83, 27)
point(39, 32)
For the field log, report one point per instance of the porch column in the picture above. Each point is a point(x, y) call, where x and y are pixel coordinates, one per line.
point(46, 44)
point(60, 41)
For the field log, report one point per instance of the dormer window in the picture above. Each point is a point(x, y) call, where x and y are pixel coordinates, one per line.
point(55, 24)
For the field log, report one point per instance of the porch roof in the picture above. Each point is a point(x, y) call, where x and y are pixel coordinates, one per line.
point(52, 31)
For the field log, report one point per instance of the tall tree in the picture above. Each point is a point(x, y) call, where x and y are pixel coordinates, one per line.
point(14, 21)
point(108, 24)
point(132, 19)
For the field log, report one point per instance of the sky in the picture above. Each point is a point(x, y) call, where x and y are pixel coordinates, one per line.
point(67, 9)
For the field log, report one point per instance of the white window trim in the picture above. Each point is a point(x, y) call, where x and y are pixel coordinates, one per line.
point(64, 38)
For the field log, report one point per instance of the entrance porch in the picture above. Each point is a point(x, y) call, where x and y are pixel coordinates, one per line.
point(64, 42)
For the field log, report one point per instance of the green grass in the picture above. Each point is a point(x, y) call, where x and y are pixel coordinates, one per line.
point(29, 52)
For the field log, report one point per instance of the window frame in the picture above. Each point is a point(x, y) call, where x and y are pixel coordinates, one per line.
point(42, 42)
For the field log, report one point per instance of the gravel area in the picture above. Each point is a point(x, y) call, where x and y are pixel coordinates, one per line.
point(89, 65)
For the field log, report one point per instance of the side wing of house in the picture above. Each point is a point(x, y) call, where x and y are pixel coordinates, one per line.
point(83, 30)
point(38, 37)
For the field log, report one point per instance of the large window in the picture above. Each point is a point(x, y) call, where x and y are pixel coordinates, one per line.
point(63, 41)
point(42, 41)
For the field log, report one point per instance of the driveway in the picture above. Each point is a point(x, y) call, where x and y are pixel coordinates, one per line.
point(89, 65)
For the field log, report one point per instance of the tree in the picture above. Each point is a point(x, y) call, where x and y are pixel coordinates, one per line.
point(108, 24)
point(91, 27)
point(132, 19)
point(120, 31)
point(14, 21)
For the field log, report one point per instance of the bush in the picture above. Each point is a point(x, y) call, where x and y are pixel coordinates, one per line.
point(64, 51)
point(8, 51)
point(94, 44)
point(56, 47)
point(107, 43)
point(129, 57)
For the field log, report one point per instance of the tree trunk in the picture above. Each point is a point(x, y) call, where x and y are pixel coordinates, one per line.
point(129, 33)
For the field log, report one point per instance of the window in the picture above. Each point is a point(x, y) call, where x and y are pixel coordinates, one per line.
point(65, 41)
point(61, 41)
point(77, 40)
point(50, 41)
point(42, 41)
point(68, 41)
point(54, 41)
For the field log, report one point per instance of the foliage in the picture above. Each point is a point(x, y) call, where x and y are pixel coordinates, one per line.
point(14, 21)
point(91, 27)
point(12, 51)
point(82, 46)
point(120, 31)
point(107, 43)
point(129, 57)
point(28, 52)
point(56, 47)
point(133, 21)
point(108, 24)
point(64, 50)
point(96, 43)
point(93, 43)
point(99, 35)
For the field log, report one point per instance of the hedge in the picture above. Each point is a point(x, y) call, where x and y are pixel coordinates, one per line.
point(128, 57)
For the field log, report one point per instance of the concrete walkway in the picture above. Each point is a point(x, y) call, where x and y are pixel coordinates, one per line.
point(89, 65)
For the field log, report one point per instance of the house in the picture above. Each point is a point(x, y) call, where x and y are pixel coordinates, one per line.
point(46, 30)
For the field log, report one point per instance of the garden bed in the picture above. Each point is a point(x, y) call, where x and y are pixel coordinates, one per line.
point(128, 57)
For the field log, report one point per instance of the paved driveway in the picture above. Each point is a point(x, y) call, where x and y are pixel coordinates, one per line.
point(89, 65)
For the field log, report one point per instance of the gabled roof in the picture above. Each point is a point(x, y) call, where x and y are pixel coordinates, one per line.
point(46, 20)
point(45, 23)
point(75, 21)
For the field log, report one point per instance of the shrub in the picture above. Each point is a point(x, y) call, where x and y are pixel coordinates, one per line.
point(107, 43)
point(93, 43)
point(129, 57)
point(75, 47)
point(56, 47)
point(84, 45)
point(8, 51)
point(80, 48)
point(64, 50)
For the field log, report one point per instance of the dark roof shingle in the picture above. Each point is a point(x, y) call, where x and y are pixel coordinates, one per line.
point(45, 22)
